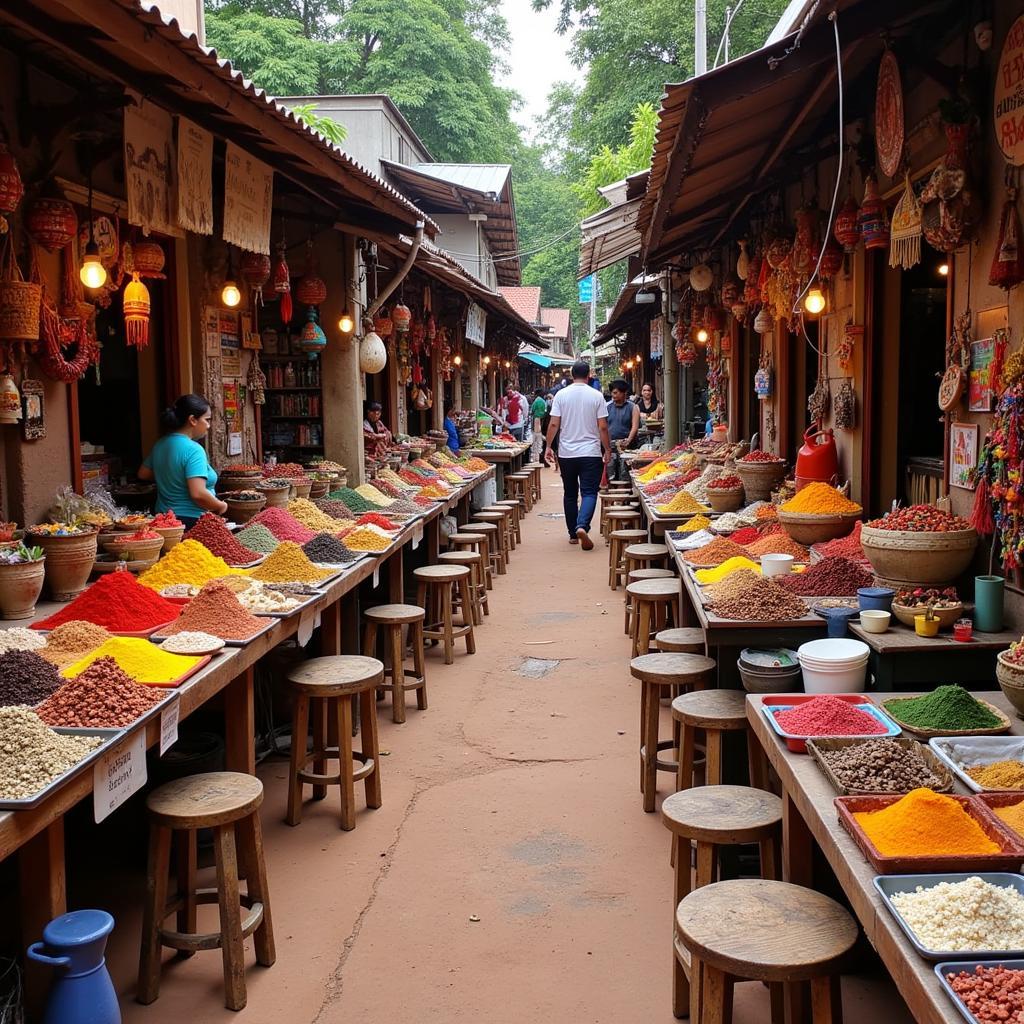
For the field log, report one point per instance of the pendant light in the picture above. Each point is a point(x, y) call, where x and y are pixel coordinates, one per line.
point(92, 273)
point(815, 301)
point(230, 295)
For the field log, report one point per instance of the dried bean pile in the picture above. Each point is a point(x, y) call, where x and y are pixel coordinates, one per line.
point(327, 550)
point(831, 577)
point(746, 595)
point(101, 697)
point(991, 993)
point(32, 756)
point(880, 766)
point(25, 678)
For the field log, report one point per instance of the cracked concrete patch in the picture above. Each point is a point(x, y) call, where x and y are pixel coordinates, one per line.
point(536, 668)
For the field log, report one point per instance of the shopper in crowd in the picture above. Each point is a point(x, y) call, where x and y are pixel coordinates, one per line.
point(549, 399)
point(376, 436)
point(512, 409)
point(623, 425)
point(648, 404)
point(580, 417)
point(178, 463)
point(450, 428)
point(538, 410)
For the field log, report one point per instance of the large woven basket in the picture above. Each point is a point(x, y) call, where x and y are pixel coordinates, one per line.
point(919, 556)
point(760, 478)
point(19, 310)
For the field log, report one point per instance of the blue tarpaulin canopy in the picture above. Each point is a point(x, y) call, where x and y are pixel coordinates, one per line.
point(542, 361)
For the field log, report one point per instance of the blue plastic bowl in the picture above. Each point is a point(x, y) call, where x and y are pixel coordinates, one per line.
point(875, 598)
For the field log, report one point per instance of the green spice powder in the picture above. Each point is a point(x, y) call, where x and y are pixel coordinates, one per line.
point(256, 537)
point(355, 501)
point(948, 707)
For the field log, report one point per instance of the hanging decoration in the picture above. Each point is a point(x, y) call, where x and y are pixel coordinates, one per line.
point(889, 120)
point(51, 221)
point(751, 289)
point(1007, 268)
point(10, 400)
point(871, 218)
point(312, 340)
point(804, 255)
point(255, 269)
point(373, 355)
point(778, 249)
point(19, 299)
point(143, 258)
point(844, 406)
point(764, 323)
point(383, 325)
point(401, 317)
point(906, 229)
point(718, 385)
point(831, 259)
point(283, 282)
point(686, 353)
point(256, 381)
point(137, 306)
point(958, 361)
point(763, 376)
point(846, 227)
point(311, 289)
point(701, 277)
point(820, 397)
point(844, 351)
point(742, 261)
point(949, 206)
point(12, 189)
point(731, 291)
point(1005, 93)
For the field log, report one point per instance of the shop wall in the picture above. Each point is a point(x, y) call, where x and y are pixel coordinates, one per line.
point(458, 237)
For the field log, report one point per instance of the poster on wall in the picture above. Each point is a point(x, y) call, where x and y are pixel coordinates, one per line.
point(1007, 99)
point(230, 344)
point(195, 178)
point(476, 324)
point(248, 194)
point(149, 168)
point(232, 417)
point(981, 392)
point(963, 455)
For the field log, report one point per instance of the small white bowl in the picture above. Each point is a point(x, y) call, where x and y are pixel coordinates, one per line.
point(873, 620)
point(776, 565)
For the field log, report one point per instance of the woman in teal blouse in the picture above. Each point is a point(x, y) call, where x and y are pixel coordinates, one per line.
point(178, 463)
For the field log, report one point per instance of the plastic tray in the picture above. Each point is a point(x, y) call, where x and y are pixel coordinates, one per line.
point(798, 744)
point(956, 966)
point(888, 885)
point(992, 748)
point(109, 736)
point(1009, 858)
point(159, 638)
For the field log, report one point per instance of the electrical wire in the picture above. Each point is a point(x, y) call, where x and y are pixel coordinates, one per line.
point(725, 33)
point(502, 257)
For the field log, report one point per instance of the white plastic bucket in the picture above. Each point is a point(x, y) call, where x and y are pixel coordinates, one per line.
point(834, 665)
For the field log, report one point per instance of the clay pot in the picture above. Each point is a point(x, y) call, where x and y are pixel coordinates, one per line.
point(69, 561)
point(20, 587)
point(241, 511)
point(171, 534)
point(300, 487)
point(277, 497)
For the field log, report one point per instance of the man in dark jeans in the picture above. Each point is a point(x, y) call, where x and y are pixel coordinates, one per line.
point(579, 416)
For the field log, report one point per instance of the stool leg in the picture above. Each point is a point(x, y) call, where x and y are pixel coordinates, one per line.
point(643, 727)
point(371, 748)
point(776, 994)
point(250, 838)
point(419, 663)
point(446, 613)
point(651, 749)
point(826, 1000)
point(713, 753)
point(397, 675)
point(348, 786)
point(300, 728)
point(681, 889)
point(756, 762)
point(231, 950)
point(769, 849)
point(370, 640)
point(687, 752)
point(319, 745)
point(467, 614)
point(716, 996)
point(186, 857)
point(157, 872)
point(642, 641)
point(705, 864)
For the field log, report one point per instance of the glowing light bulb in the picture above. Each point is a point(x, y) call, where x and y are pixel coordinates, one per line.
point(814, 301)
point(702, 335)
point(457, 360)
point(944, 269)
point(346, 324)
point(230, 295)
point(92, 273)
point(487, 360)
point(507, 364)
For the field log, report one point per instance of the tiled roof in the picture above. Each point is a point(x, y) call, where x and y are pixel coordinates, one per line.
point(557, 320)
point(524, 300)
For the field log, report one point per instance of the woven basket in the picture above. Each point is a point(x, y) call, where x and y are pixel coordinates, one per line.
point(19, 300)
point(919, 557)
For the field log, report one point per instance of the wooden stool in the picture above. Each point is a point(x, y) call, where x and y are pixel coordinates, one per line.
point(229, 804)
point(657, 672)
point(623, 518)
point(655, 602)
point(517, 515)
point(714, 816)
point(684, 640)
point(478, 541)
point(435, 584)
point(392, 618)
point(619, 541)
point(506, 525)
point(763, 930)
point(633, 577)
point(646, 556)
point(491, 548)
point(331, 683)
point(535, 469)
point(611, 501)
point(518, 488)
point(499, 544)
point(714, 712)
point(477, 588)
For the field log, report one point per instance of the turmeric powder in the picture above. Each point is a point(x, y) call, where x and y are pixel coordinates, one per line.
point(925, 823)
point(821, 500)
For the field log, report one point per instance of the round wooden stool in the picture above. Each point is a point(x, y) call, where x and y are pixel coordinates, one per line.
point(713, 712)
point(658, 673)
point(633, 577)
point(392, 618)
point(229, 804)
point(477, 588)
point(611, 501)
point(434, 592)
point(762, 930)
point(499, 544)
point(518, 488)
point(684, 640)
point(619, 540)
point(479, 542)
point(646, 556)
point(517, 515)
point(506, 525)
point(491, 548)
point(711, 817)
point(535, 469)
point(655, 603)
point(623, 518)
point(331, 684)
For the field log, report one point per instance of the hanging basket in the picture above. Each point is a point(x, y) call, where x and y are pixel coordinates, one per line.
point(19, 300)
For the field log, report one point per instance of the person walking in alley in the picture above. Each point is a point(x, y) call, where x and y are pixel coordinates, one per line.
point(623, 424)
point(538, 410)
point(580, 418)
point(513, 411)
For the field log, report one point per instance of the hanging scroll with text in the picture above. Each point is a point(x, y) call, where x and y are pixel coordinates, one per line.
point(195, 178)
point(149, 168)
point(248, 195)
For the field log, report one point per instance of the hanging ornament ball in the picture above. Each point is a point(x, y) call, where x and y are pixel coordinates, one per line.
point(11, 186)
point(147, 259)
point(401, 317)
point(763, 321)
point(255, 269)
point(136, 306)
point(312, 340)
point(311, 290)
point(742, 261)
point(373, 356)
point(701, 277)
point(51, 222)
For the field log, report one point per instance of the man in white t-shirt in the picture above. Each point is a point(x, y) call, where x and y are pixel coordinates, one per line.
point(579, 415)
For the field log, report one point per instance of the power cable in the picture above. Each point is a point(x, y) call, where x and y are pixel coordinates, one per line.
point(516, 255)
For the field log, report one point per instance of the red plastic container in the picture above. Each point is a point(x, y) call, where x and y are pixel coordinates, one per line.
point(818, 459)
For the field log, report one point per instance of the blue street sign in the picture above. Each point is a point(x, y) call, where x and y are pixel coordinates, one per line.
point(587, 289)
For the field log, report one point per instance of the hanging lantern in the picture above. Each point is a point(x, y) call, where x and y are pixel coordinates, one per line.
point(373, 355)
point(312, 340)
point(401, 317)
point(763, 322)
point(145, 259)
point(872, 219)
point(11, 186)
point(283, 283)
point(846, 228)
point(701, 277)
point(255, 269)
point(831, 259)
point(742, 261)
point(136, 306)
point(51, 222)
point(10, 400)
point(311, 290)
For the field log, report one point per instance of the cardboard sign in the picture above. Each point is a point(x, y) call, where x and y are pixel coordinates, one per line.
point(168, 727)
point(118, 774)
point(306, 623)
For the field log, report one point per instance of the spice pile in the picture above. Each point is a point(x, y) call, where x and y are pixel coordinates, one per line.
point(211, 532)
point(138, 659)
point(880, 766)
point(326, 549)
point(354, 500)
point(746, 535)
point(376, 519)
point(749, 597)
point(831, 577)
point(920, 519)
point(827, 715)
point(119, 602)
point(26, 678)
point(718, 551)
point(370, 493)
point(776, 544)
point(103, 696)
point(991, 993)
point(725, 483)
point(262, 600)
point(968, 915)
point(696, 523)
point(313, 518)
point(284, 526)
point(20, 638)
point(33, 755)
point(165, 521)
point(217, 611)
point(727, 568)
point(921, 597)
point(924, 823)
point(1013, 815)
point(187, 562)
point(336, 509)
point(820, 499)
point(288, 563)
point(948, 708)
point(998, 775)
point(365, 538)
point(760, 456)
point(191, 643)
point(698, 488)
point(844, 547)
point(258, 538)
point(73, 640)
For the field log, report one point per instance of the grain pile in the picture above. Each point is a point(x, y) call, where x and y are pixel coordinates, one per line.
point(327, 550)
point(101, 697)
point(311, 517)
point(73, 640)
point(745, 595)
point(287, 563)
point(20, 638)
point(880, 766)
point(258, 538)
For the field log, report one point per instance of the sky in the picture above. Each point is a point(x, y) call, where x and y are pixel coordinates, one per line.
point(538, 57)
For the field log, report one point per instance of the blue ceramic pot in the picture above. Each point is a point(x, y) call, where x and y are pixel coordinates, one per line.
point(878, 599)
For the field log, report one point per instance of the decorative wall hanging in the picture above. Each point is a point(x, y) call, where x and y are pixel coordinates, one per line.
point(804, 254)
point(149, 164)
point(831, 259)
point(136, 306)
point(1005, 99)
point(11, 186)
point(248, 201)
point(256, 382)
point(846, 226)
point(889, 128)
point(1007, 268)
point(950, 208)
point(51, 221)
point(283, 282)
point(752, 290)
point(844, 406)
point(194, 205)
point(844, 351)
point(906, 230)
point(963, 455)
point(19, 299)
point(60, 334)
point(987, 357)
point(871, 218)
point(958, 359)
point(33, 424)
point(778, 249)
point(10, 400)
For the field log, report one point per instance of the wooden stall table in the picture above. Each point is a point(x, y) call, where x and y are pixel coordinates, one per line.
point(507, 459)
point(660, 523)
point(809, 819)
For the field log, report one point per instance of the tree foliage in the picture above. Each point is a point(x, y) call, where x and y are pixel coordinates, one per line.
point(609, 165)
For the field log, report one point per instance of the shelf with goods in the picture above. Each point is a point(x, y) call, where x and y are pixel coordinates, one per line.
point(292, 417)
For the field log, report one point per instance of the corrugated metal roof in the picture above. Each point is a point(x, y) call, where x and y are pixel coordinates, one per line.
point(609, 236)
point(480, 177)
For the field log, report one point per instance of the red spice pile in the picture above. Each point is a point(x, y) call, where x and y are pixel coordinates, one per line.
point(718, 551)
point(993, 993)
point(725, 483)
point(216, 610)
point(377, 520)
point(284, 526)
point(831, 577)
point(745, 536)
point(760, 456)
point(101, 697)
point(118, 602)
point(165, 521)
point(920, 519)
point(828, 716)
point(779, 543)
point(142, 534)
point(284, 469)
point(844, 547)
point(211, 532)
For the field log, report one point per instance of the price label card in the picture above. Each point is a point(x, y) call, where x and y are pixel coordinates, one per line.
point(417, 534)
point(168, 727)
point(376, 576)
point(307, 622)
point(118, 774)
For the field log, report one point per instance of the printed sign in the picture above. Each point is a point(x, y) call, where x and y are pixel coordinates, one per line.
point(963, 455)
point(195, 178)
point(168, 727)
point(149, 168)
point(1008, 96)
point(248, 194)
point(476, 324)
point(981, 392)
point(118, 774)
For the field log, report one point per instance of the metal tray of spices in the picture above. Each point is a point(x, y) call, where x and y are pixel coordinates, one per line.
point(961, 752)
point(891, 706)
point(817, 744)
point(299, 608)
point(159, 638)
point(770, 706)
point(889, 885)
point(109, 736)
point(956, 966)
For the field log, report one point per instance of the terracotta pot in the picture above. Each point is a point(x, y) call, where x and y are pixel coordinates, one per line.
point(20, 587)
point(277, 497)
point(301, 488)
point(69, 561)
point(319, 488)
point(243, 511)
point(171, 534)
